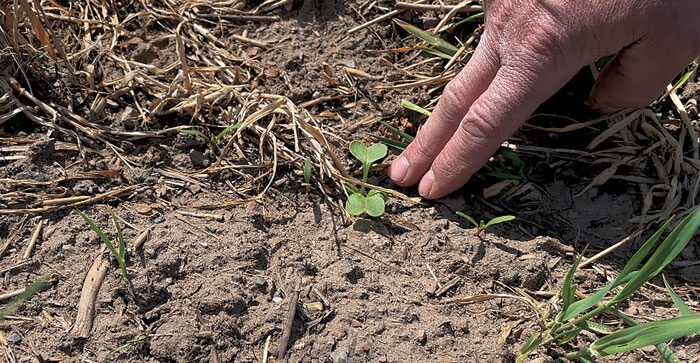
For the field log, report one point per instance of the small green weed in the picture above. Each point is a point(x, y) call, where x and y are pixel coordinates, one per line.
point(120, 255)
point(307, 174)
point(442, 48)
point(373, 202)
point(573, 318)
point(210, 138)
point(25, 296)
point(481, 226)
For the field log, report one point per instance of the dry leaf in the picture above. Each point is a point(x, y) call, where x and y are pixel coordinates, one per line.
point(39, 29)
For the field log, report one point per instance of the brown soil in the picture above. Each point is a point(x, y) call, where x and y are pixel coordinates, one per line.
point(209, 290)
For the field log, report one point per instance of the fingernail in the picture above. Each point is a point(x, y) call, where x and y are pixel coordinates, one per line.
point(426, 184)
point(399, 169)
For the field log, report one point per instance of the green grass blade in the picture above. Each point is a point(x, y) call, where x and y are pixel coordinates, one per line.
point(498, 220)
point(465, 20)
point(680, 305)
point(227, 130)
point(531, 342)
point(429, 38)
point(397, 131)
point(413, 107)
point(194, 132)
point(120, 236)
point(352, 188)
point(391, 142)
point(99, 232)
point(568, 291)
point(130, 343)
point(665, 351)
point(587, 303)
point(435, 52)
point(25, 296)
point(643, 251)
point(683, 80)
point(643, 335)
point(596, 328)
point(307, 171)
point(470, 219)
point(664, 254)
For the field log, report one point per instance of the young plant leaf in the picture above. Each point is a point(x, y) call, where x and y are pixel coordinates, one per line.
point(28, 293)
point(643, 251)
point(374, 205)
point(531, 342)
point(429, 38)
point(498, 220)
point(664, 254)
point(99, 232)
point(436, 52)
point(367, 155)
point(646, 334)
point(118, 255)
point(465, 20)
point(356, 204)
point(352, 188)
point(307, 171)
point(568, 291)
point(530, 345)
point(587, 303)
point(413, 107)
point(397, 131)
point(596, 328)
point(680, 305)
point(227, 130)
point(194, 132)
point(470, 219)
point(374, 192)
point(391, 142)
point(120, 236)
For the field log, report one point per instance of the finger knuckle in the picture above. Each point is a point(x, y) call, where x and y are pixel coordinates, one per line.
point(452, 98)
point(479, 125)
point(423, 149)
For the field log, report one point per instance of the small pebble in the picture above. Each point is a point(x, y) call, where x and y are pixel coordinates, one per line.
point(355, 323)
point(14, 338)
point(198, 158)
point(260, 283)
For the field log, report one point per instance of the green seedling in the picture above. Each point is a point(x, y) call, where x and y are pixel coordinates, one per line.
point(481, 226)
point(307, 174)
point(119, 255)
point(25, 296)
point(576, 315)
point(442, 48)
point(374, 201)
point(211, 139)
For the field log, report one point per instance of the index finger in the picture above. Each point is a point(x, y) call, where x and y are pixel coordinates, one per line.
point(458, 96)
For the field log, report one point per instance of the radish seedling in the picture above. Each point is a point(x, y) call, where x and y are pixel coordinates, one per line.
point(120, 255)
point(481, 226)
point(373, 202)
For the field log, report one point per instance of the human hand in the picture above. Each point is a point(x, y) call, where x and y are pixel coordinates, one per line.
point(530, 49)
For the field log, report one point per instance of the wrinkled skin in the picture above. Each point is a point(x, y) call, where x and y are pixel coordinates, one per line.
point(530, 49)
